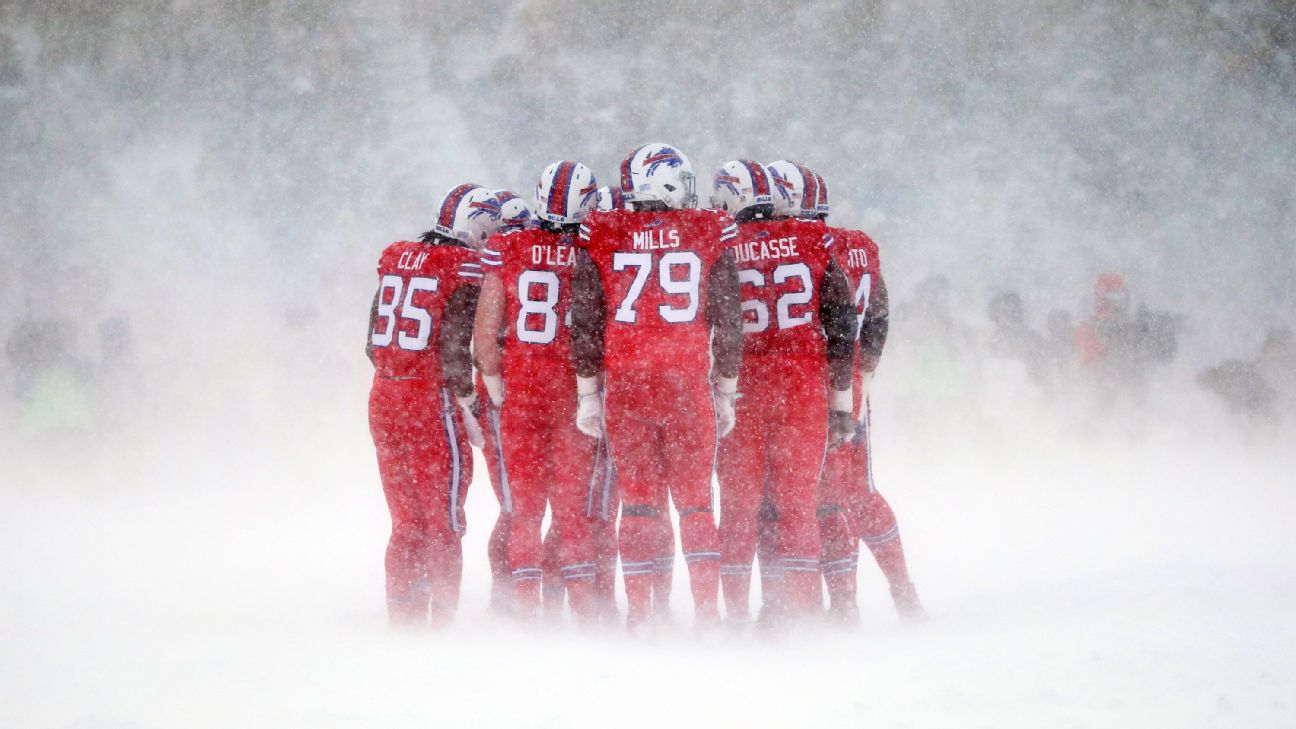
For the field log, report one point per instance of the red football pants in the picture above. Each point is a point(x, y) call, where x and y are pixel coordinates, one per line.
point(661, 431)
point(425, 466)
point(780, 439)
point(851, 509)
point(547, 461)
point(497, 548)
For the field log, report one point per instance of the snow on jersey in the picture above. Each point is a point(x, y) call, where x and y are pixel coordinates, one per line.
point(415, 281)
point(858, 256)
point(535, 267)
point(781, 264)
point(654, 267)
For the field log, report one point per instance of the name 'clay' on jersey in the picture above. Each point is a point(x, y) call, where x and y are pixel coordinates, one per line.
point(415, 282)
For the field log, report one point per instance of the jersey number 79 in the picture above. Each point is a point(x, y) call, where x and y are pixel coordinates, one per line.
point(679, 274)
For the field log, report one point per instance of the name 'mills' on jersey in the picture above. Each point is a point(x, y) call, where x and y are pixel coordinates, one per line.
point(535, 267)
point(781, 266)
point(655, 268)
point(415, 281)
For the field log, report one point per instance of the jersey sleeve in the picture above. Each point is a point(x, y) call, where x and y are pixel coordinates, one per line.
point(583, 234)
point(492, 254)
point(470, 272)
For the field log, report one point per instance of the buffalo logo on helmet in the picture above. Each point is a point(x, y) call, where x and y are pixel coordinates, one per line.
point(728, 181)
point(664, 156)
point(587, 193)
point(490, 206)
point(782, 184)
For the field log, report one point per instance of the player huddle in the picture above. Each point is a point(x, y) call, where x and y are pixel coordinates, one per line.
point(612, 350)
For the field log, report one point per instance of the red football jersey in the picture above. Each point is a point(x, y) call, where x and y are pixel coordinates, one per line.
point(781, 264)
point(655, 267)
point(858, 256)
point(415, 282)
point(535, 267)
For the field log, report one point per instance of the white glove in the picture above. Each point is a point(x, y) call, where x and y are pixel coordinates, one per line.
point(841, 428)
point(494, 388)
point(726, 405)
point(470, 409)
point(589, 407)
point(864, 382)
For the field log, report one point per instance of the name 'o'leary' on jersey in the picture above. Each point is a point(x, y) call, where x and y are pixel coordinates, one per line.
point(535, 268)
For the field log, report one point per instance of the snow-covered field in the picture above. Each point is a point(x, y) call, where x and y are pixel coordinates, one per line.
point(1099, 585)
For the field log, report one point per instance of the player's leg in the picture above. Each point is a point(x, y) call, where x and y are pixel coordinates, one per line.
point(687, 449)
point(632, 441)
point(767, 547)
point(573, 464)
point(444, 470)
point(880, 532)
point(797, 447)
point(553, 593)
point(602, 503)
point(406, 578)
point(526, 462)
point(497, 547)
point(839, 556)
point(663, 566)
point(740, 469)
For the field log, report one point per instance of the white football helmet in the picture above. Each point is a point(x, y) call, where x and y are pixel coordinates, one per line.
point(565, 192)
point(659, 172)
point(469, 213)
point(821, 204)
point(739, 185)
point(610, 198)
point(514, 212)
point(795, 190)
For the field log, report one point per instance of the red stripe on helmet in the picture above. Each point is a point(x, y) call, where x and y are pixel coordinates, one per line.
point(627, 185)
point(810, 191)
point(760, 181)
point(451, 204)
point(822, 199)
point(561, 186)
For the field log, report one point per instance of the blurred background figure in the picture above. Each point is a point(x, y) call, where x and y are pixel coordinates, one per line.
point(1259, 390)
point(1011, 338)
point(49, 383)
point(1117, 346)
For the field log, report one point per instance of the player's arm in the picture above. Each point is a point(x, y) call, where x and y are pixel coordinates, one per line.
point(837, 314)
point(456, 340)
point(373, 320)
point(486, 330)
point(873, 331)
point(589, 317)
point(724, 314)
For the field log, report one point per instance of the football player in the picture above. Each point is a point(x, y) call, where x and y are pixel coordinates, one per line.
point(418, 325)
point(525, 302)
point(850, 506)
point(655, 301)
point(799, 333)
point(515, 215)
